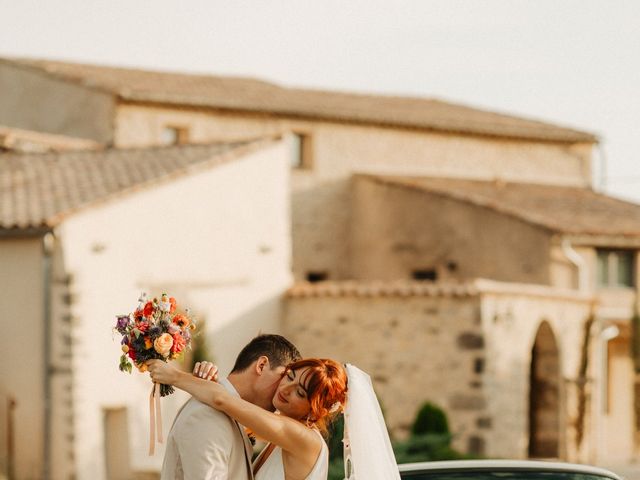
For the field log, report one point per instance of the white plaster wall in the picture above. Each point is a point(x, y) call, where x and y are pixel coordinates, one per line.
point(218, 240)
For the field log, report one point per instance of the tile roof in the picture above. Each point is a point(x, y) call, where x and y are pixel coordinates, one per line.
point(568, 210)
point(38, 190)
point(251, 95)
point(373, 288)
point(447, 288)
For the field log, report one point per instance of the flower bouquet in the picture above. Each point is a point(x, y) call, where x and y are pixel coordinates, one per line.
point(153, 331)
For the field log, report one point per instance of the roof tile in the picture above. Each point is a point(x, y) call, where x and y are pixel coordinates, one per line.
point(38, 190)
point(377, 288)
point(251, 95)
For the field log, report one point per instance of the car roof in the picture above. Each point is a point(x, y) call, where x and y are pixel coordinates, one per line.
point(507, 465)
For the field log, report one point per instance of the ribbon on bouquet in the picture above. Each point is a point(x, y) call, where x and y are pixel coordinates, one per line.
point(155, 418)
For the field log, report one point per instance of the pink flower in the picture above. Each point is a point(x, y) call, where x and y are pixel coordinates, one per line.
point(178, 343)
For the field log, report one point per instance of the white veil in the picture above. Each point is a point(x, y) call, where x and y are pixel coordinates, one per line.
point(367, 448)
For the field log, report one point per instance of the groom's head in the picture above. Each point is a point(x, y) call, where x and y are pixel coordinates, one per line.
point(259, 368)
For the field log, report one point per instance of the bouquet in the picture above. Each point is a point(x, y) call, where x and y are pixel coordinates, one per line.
point(154, 331)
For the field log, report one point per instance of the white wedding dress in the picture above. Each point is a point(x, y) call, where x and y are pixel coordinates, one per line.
point(367, 449)
point(273, 468)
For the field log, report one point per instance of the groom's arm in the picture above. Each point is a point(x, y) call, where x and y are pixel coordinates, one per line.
point(204, 442)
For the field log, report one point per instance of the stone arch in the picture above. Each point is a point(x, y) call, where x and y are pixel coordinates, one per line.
point(545, 395)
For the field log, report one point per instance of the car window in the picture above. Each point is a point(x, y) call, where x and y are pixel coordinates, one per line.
point(500, 475)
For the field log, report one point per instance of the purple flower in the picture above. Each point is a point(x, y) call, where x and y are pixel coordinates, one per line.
point(122, 323)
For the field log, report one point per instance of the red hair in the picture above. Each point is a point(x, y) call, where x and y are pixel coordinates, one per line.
point(325, 382)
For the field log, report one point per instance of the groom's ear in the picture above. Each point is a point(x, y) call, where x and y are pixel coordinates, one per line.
point(261, 364)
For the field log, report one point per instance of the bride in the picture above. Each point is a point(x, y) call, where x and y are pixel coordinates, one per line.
point(310, 395)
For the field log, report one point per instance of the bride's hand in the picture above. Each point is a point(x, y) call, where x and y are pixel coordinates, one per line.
point(206, 370)
point(162, 372)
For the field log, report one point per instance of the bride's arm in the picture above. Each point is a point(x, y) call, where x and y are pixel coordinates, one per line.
point(287, 433)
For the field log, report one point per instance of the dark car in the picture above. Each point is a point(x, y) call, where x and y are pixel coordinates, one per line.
point(503, 470)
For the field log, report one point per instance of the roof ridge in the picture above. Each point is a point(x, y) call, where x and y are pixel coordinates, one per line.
point(382, 288)
point(41, 65)
point(111, 150)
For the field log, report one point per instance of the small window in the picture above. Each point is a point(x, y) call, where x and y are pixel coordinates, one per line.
point(172, 135)
point(300, 150)
point(315, 277)
point(425, 274)
point(615, 268)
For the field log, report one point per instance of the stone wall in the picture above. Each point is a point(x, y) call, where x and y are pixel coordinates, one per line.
point(416, 349)
point(471, 354)
point(396, 230)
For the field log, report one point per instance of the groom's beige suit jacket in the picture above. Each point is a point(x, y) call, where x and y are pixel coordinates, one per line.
point(206, 444)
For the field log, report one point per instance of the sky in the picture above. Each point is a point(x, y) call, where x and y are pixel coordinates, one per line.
point(574, 63)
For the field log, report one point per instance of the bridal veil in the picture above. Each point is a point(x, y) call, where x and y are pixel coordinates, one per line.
point(367, 449)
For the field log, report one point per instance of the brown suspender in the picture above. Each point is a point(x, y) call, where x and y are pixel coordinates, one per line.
point(263, 457)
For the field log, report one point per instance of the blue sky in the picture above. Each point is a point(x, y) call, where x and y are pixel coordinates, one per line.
point(571, 62)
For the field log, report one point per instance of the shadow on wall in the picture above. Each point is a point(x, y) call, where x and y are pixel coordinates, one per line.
point(320, 214)
point(225, 342)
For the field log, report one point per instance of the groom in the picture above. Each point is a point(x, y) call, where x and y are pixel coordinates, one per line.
point(206, 444)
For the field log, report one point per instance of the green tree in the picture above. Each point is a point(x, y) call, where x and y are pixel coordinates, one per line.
point(334, 442)
point(430, 438)
point(430, 419)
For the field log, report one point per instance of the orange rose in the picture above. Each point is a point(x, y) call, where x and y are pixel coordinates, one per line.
point(172, 301)
point(163, 344)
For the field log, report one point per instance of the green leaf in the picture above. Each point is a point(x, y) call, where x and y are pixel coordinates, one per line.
point(125, 364)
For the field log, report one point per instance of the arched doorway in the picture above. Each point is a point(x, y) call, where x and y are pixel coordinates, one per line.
point(544, 396)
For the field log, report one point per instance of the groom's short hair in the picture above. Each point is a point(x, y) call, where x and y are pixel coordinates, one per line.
point(276, 348)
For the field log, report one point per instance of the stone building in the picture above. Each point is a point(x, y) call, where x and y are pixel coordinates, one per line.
point(460, 256)
point(529, 370)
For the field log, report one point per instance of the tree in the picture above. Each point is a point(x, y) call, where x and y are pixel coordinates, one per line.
point(430, 419)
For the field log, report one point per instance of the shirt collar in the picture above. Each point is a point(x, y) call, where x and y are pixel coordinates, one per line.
point(229, 387)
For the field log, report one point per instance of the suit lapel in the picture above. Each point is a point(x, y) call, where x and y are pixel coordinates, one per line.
point(248, 449)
